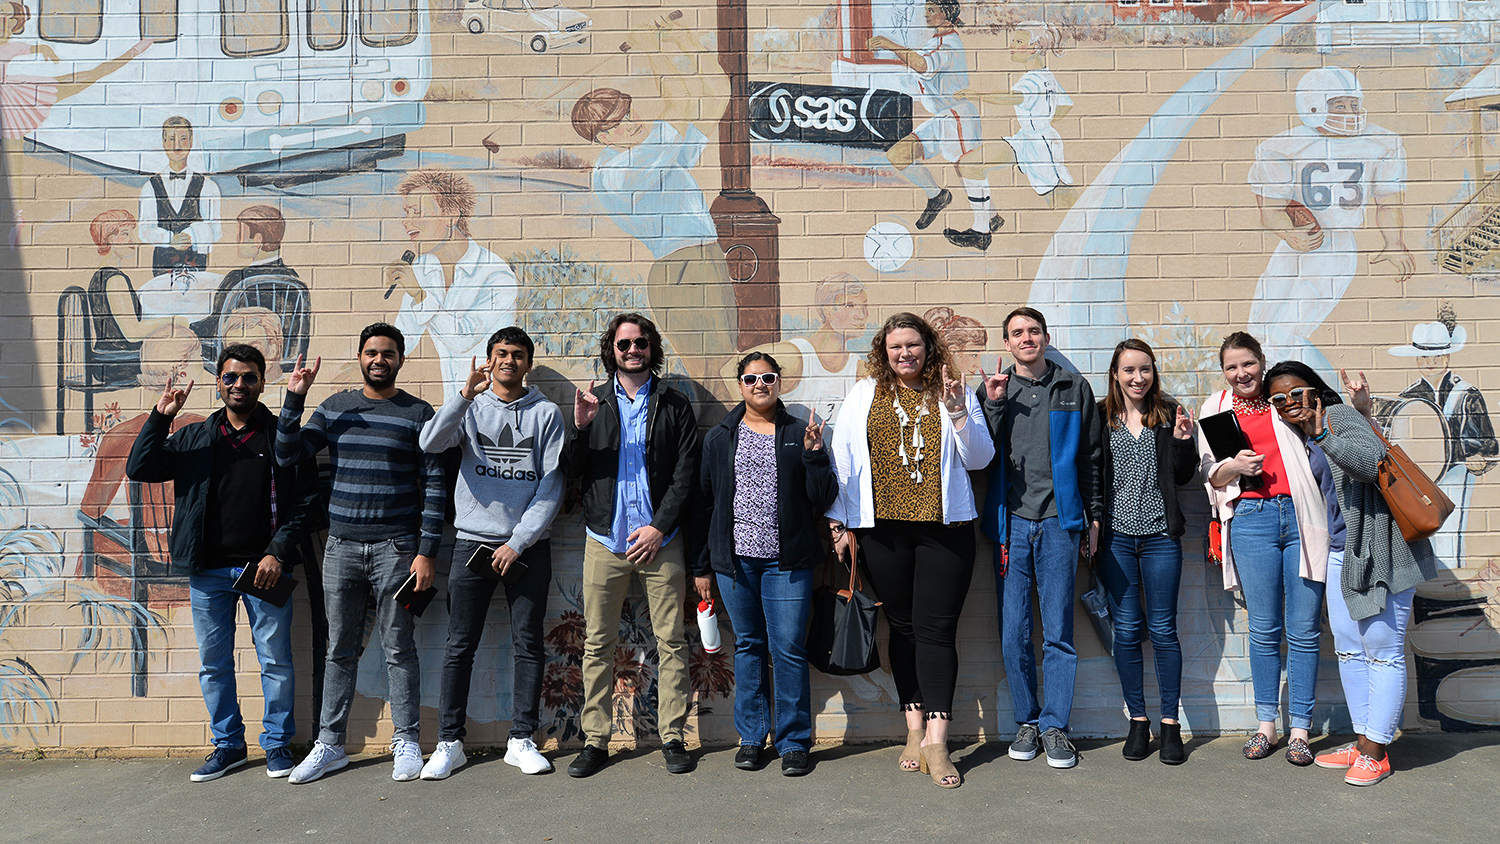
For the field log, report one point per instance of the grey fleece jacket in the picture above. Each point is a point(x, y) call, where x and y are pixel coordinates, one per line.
point(510, 485)
point(1378, 561)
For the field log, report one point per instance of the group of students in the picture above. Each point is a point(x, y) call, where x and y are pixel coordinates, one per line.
point(747, 507)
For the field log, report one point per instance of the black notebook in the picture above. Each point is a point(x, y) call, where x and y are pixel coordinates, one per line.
point(414, 601)
point(481, 562)
point(1225, 440)
point(279, 593)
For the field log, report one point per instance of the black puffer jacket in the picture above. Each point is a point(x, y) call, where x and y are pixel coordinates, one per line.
point(805, 489)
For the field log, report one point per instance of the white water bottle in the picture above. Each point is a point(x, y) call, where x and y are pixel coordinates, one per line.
point(708, 627)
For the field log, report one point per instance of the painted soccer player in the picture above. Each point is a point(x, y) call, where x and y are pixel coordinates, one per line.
point(1336, 166)
point(942, 70)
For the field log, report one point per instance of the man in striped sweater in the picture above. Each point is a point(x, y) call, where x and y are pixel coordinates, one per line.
point(385, 520)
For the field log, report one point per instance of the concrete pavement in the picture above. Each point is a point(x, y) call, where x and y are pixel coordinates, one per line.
point(1444, 789)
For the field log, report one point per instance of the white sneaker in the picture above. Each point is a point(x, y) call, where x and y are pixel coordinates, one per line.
point(522, 753)
point(448, 758)
point(324, 759)
point(408, 760)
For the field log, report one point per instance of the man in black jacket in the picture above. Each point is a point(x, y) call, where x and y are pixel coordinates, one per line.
point(634, 443)
point(235, 509)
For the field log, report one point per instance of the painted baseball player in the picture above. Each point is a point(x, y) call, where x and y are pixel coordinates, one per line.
point(941, 67)
point(1314, 185)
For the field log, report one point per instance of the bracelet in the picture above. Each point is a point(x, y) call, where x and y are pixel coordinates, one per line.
point(1321, 437)
point(955, 415)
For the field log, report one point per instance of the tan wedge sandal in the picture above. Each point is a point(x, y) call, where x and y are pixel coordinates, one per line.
point(935, 761)
point(911, 757)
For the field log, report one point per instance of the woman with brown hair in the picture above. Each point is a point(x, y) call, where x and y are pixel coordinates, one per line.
point(1148, 453)
point(907, 437)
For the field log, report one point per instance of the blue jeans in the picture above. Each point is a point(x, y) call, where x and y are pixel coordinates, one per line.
point(1047, 555)
point(352, 570)
point(769, 609)
point(213, 600)
point(1140, 576)
point(1267, 554)
point(1372, 658)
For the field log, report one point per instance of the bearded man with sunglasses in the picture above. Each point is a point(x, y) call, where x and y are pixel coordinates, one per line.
point(634, 443)
point(235, 508)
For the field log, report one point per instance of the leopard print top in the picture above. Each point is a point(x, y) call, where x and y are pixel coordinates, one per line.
point(897, 495)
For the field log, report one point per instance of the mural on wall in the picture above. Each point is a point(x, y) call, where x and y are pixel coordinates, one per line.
point(456, 170)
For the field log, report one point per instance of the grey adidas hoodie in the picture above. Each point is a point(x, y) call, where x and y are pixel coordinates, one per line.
point(510, 487)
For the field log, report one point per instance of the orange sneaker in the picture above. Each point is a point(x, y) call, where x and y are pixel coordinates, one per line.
point(1344, 757)
point(1367, 771)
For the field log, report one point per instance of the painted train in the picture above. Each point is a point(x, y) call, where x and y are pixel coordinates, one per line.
point(276, 89)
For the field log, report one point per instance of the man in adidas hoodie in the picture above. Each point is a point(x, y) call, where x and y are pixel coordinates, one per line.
point(509, 490)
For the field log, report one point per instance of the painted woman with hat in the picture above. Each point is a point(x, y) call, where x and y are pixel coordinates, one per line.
point(1471, 448)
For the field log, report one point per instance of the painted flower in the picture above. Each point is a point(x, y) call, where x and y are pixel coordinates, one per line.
point(562, 686)
point(566, 637)
point(631, 673)
point(711, 674)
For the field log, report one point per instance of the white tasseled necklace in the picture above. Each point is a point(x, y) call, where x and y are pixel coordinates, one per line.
point(912, 461)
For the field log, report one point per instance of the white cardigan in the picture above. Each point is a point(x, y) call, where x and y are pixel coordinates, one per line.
point(962, 452)
point(1307, 496)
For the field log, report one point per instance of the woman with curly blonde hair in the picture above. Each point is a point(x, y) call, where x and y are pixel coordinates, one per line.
point(907, 438)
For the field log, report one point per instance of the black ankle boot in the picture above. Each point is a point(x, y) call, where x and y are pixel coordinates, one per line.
point(1171, 744)
point(1138, 743)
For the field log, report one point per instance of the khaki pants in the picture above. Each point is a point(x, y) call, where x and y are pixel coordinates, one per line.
point(606, 577)
point(692, 302)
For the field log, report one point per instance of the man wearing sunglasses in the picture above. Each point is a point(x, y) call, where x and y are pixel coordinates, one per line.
point(634, 443)
point(235, 508)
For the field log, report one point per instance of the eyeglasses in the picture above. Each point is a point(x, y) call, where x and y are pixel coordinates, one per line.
point(1294, 395)
point(624, 343)
point(250, 379)
point(750, 379)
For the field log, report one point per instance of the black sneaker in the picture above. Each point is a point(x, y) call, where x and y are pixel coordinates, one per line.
point(935, 206)
point(794, 763)
point(1023, 747)
point(969, 239)
point(678, 760)
point(996, 222)
point(220, 762)
point(588, 762)
point(1060, 752)
point(747, 758)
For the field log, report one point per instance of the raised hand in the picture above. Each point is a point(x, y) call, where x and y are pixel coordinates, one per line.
point(172, 399)
point(1182, 428)
point(1359, 392)
point(995, 385)
point(1316, 422)
point(479, 379)
point(953, 392)
point(812, 435)
point(302, 378)
point(585, 407)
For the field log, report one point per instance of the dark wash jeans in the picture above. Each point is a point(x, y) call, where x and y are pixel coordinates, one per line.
point(469, 599)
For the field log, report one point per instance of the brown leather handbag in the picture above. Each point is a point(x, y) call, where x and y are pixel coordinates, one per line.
point(1416, 503)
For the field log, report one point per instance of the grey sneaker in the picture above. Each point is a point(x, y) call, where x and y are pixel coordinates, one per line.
point(408, 760)
point(1060, 752)
point(324, 759)
point(1023, 747)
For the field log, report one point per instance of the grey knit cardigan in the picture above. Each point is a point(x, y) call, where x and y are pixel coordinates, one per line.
point(1378, 562)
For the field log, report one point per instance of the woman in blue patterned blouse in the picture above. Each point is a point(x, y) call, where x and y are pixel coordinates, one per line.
point(1148, 453)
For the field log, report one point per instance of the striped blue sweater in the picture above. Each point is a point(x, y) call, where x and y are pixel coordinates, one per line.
point(384, 486)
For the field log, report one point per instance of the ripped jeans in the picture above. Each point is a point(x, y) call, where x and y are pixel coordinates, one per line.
point(1372, 658)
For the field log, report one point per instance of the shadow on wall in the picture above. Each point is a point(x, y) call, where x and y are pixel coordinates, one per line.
point(19, 390)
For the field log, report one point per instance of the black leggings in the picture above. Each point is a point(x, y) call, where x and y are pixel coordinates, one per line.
point(921, 572)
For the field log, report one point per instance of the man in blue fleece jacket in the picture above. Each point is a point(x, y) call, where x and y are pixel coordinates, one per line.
point(1044, 496)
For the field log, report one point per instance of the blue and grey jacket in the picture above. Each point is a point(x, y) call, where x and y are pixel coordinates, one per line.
point(1074, 451)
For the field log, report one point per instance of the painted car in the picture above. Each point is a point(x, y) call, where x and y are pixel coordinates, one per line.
point(540, 24)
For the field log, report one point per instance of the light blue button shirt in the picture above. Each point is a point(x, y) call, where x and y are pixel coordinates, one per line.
point(632, 485)
point(649, 192)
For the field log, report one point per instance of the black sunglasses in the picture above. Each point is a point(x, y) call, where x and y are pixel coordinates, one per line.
point(749, 379)
point(1296, 394)
point(231, 378)
point(624, 343)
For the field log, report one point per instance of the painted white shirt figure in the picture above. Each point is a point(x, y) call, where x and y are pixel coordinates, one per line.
point(1038, 146)
point(954, 128)
point(818, 389)
point(462, 316)
point(205, 232)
